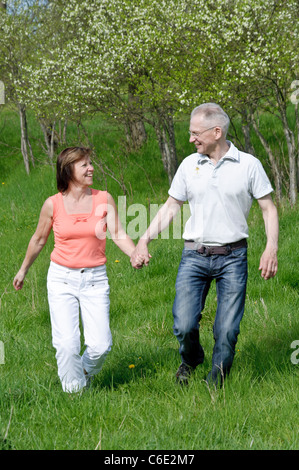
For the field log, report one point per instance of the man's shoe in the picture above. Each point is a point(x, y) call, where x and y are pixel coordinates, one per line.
point(183, 374)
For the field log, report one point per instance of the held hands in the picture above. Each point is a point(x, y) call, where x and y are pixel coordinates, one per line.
point(140, 256)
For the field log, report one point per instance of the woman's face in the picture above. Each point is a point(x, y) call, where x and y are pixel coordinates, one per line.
point(83, 172)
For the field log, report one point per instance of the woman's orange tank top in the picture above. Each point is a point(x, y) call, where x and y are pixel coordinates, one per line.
point(80, 239)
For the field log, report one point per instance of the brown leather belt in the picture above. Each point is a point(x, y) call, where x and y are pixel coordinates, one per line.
point(209, 250)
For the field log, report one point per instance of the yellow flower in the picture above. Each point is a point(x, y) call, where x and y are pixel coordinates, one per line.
point(131, 366)
point(117, 261)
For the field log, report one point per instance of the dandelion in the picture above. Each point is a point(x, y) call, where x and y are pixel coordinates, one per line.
point(131, 366)
point(117, 261)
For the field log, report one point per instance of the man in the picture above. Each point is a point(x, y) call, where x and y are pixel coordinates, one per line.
point(220, 183)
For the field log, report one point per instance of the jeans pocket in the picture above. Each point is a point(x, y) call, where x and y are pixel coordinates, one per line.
point(239, 252)
point(98, 279)
point(189, 253)
point(58, 275)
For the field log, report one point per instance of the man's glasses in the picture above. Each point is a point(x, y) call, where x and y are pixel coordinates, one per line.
point(197, 134)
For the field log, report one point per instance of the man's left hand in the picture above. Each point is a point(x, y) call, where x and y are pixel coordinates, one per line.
point(268, 263)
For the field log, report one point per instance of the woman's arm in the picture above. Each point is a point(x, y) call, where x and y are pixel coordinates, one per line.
point(118, 234)
point(37, 242)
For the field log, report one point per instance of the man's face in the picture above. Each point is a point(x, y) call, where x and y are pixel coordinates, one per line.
point(202, 135)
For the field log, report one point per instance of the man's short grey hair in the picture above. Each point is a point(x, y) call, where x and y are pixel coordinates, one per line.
point(214, 114)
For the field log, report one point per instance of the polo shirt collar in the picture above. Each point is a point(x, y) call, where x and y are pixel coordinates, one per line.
point(231, 154)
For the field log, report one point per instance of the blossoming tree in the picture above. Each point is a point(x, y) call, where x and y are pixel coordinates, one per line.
point(152, 61)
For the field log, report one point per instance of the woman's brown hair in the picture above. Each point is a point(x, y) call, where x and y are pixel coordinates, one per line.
point(65, 163)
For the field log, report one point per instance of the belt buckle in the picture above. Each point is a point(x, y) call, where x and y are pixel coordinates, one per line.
point(208, 250)
point(212, 250)
point(205, 250)
point(228, 249)
point(201, 249)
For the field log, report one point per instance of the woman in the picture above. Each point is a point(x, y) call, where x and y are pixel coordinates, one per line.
point(79, 216)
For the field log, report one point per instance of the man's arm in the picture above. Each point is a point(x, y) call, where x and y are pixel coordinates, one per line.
point(160, 222)
point(268, 261)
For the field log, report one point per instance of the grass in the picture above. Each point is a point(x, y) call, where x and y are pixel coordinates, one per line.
point(135, 403)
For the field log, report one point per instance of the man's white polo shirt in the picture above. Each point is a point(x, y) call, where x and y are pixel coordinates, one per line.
point(220, 196)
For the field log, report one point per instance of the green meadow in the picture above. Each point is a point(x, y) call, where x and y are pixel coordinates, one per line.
point(134, 403)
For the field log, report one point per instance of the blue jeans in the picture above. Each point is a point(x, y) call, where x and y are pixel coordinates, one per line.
point(196, 271)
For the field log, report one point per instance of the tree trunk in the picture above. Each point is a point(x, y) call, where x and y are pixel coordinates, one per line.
point(274, 165)
point(247, 141)
point(24, 136)
point(135, 130)
point(136, 134)
point(290, 140)
point(50, 138)
point(53, 143)
point(246, 133)
point(62, 128)
point(64, 132)
point(165, 134)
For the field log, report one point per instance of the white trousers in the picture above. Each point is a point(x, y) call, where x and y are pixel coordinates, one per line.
point(70, 291)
